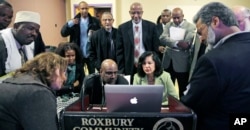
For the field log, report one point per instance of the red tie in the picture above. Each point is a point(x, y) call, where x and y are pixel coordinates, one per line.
point(137, 44)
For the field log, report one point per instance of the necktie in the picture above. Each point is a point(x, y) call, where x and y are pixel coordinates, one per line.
point(137, 44)
point(23, 56)
point(110, 46)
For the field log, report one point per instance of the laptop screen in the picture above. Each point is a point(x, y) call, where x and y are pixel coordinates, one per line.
point(133, 98)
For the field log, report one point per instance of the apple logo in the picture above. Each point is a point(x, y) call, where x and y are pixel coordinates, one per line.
point(133, 100)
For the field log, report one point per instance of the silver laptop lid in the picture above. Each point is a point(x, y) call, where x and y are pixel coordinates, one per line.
point(133, 98)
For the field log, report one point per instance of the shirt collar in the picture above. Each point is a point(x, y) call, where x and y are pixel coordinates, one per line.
point(225, 38)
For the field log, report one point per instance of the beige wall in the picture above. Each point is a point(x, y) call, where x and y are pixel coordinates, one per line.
point(153, 8)
point(54, 13)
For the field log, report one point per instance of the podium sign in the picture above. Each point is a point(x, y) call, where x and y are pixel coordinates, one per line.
point(127, 121)
point(174, 117)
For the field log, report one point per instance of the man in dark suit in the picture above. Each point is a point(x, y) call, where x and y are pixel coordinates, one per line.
point(165, 17)
point(80, 30)
point(220, 85)
point(103, 41)
point(128, 47)
point(93, 84)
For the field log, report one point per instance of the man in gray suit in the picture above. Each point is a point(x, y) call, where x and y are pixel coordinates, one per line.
point(176, 59)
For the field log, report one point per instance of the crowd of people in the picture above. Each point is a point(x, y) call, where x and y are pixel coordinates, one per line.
point(208, 60)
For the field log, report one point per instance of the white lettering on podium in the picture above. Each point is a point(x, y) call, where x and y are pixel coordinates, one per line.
point(106, 122)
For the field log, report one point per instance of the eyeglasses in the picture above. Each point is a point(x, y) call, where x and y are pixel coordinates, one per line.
point(135, 12)
point(111, 73)
point(107, 20)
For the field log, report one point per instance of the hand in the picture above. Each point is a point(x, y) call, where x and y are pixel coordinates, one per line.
point(76, 83)
point(76, 20)
point(161, 49)
point(183, 44)
point(90, 33)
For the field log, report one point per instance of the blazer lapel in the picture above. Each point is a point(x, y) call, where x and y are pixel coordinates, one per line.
point(131, 32)
point(144, 33)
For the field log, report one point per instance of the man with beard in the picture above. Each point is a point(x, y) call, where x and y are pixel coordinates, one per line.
point(220, 84)
point(93, 84)
point(14, 49)
point(242, 15)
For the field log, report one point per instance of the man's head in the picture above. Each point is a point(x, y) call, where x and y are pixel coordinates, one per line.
point(165, 16)
point(83, 8)
point(215, 21)
point(136, 12)
point(242, 15)
point(26, 27)
point(177, 16)
point(107, 20)
point(109, 71)
point(6, 14)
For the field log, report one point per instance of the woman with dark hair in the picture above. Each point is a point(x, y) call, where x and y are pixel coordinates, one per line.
point(150, 72)
point(75, 73)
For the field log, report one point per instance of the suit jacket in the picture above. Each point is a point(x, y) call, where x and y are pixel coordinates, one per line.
point(180, 57)
point(125, 44)
point(39, 45)
point(220, 84)
point(93, 86)
point(197, 51)
point(74, 31)
point(159, 28)
point(99, 49)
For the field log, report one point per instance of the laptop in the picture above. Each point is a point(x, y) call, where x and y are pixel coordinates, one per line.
point(133, 98)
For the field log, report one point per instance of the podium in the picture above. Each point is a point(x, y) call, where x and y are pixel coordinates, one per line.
point(174, 117)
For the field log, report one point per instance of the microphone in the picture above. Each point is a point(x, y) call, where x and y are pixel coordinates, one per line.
point(103, 97)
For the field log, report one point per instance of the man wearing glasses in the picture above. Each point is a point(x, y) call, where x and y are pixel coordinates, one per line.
point(135, 37)
point(93, 83)
point(103, 41)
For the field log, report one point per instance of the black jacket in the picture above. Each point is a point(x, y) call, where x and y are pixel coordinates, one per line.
point(93, 86)
point(74, 32)
point(99, 49)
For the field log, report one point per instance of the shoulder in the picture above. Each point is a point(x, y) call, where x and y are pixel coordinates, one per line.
point(114, 29)
point(165, 75)
point(121, 80)
point(92, 77)
point(126, 24)
point(148, 22)
point(188, 24)
point(136, 76)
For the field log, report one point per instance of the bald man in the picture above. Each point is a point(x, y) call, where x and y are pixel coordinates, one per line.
point(131, 43)
point(176, 59)
point(80, 29)
point(242, 15)
point(93, 83)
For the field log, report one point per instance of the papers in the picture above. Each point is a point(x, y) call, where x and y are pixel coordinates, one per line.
point(177, 34)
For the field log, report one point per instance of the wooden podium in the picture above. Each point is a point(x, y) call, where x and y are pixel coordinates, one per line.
point(174, 117)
